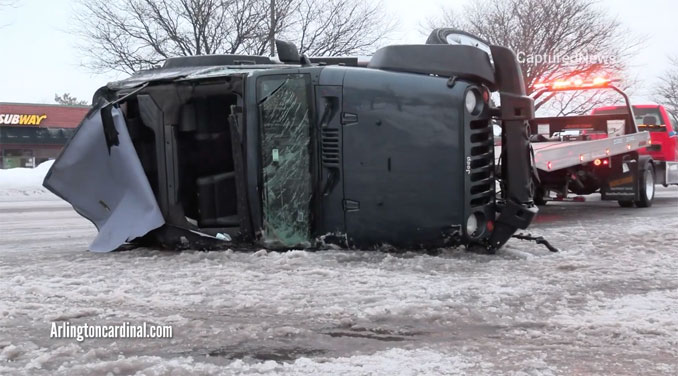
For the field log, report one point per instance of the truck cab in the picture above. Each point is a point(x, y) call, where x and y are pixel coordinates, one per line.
point(656, 120)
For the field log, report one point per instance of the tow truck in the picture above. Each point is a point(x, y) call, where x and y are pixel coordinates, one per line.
point(234, 151)
point(606, 152)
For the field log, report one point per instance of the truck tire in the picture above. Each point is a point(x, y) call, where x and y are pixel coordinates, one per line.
point(646, 182)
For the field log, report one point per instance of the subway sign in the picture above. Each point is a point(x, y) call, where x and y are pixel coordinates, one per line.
point(21, 119)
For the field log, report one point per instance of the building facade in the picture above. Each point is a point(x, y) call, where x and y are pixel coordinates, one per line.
point(33, 133)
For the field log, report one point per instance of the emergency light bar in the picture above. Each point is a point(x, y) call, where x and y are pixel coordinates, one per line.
point(574, 84)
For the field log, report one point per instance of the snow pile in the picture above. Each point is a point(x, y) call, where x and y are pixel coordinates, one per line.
point(24, 177)
point(18, 183)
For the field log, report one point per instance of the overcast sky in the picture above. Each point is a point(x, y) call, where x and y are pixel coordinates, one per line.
point(39, 55)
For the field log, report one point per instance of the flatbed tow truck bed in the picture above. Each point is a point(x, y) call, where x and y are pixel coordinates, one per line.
point(555, 155)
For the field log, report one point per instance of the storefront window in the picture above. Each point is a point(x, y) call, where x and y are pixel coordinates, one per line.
point(30, 146)
point(12, 158)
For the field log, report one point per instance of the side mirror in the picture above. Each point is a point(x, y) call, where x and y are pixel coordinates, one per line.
point(287, 52)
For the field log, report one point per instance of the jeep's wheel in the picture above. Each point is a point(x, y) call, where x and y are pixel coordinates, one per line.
point(646, 186)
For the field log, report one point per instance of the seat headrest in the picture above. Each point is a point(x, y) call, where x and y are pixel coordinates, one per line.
point(650, 120)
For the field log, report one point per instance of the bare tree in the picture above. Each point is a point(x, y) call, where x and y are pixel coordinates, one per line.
point(337, 27)
point(554, 40)
point(69, 100)
point(129, 35)
point(666, 93)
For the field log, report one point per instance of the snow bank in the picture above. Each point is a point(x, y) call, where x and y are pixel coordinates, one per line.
point(19, 183)
point(24, 177)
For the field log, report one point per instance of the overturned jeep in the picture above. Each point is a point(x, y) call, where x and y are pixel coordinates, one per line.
point(242, 151)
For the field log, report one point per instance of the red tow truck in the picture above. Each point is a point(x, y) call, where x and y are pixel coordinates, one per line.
point(619, 151)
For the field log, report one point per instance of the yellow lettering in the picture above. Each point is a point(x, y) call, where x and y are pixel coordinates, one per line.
point(622, 181)
point(22, 119)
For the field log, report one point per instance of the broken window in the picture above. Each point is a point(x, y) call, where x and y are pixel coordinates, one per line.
point(285, 135)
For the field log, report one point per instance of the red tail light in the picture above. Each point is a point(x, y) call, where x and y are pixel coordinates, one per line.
point(601, 162)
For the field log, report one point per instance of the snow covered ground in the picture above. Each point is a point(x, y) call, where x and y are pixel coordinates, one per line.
point(605, 305)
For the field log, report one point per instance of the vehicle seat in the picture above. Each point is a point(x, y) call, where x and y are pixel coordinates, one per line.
point(217, 203)
point(650, 120)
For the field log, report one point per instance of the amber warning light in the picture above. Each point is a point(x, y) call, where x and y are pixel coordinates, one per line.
point(574, 84)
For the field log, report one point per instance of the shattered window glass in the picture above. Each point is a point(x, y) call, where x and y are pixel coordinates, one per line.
point(285, 126)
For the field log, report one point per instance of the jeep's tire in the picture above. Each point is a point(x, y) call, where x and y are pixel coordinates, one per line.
point(539, 197)
point(646, 180)
point(625, 204)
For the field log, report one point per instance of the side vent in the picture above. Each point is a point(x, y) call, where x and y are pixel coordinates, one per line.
point(330, 147)
point(482, 162)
